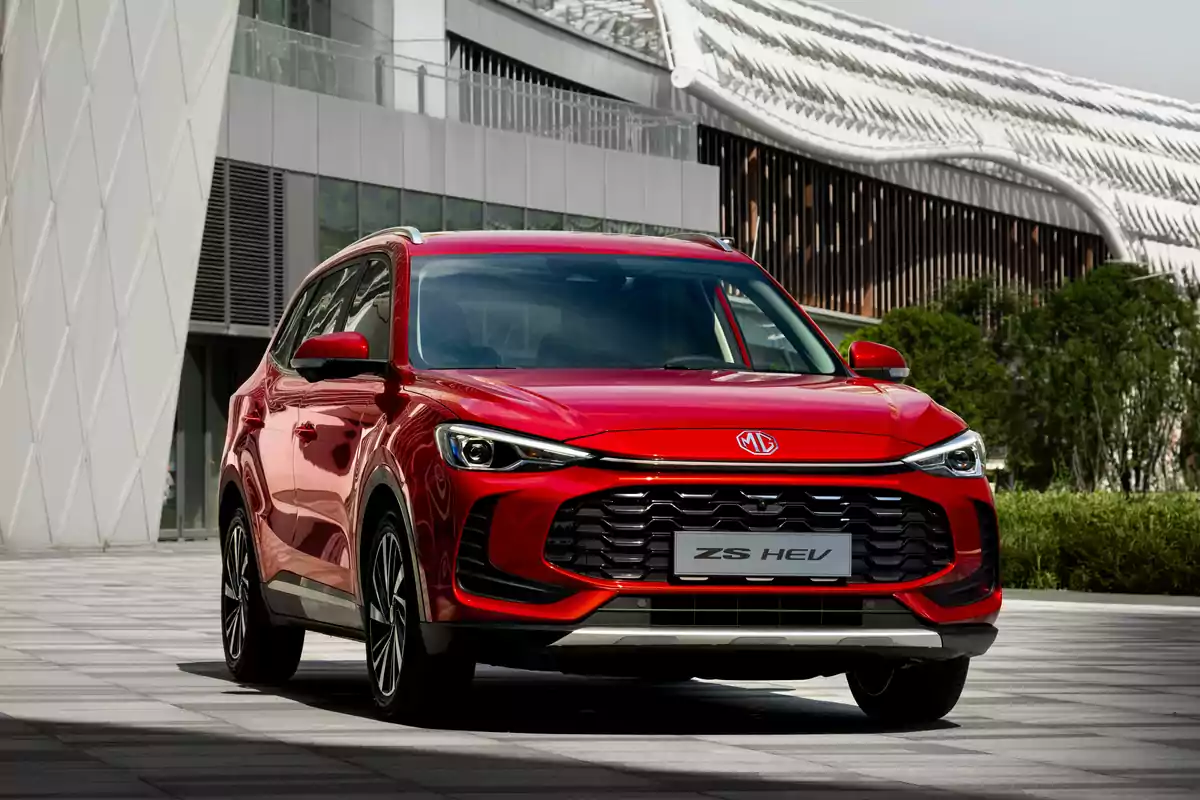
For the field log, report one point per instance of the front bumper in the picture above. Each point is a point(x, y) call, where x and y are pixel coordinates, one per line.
point(522, 509)
point(597, 647)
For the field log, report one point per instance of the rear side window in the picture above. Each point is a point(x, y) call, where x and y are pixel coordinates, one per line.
point(331, 299)
point(769, 348)
point(370, 311)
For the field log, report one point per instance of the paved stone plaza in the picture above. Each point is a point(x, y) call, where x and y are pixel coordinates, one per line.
point(112, 685)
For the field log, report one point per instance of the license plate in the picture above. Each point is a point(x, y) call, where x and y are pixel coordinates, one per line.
point(763, 555)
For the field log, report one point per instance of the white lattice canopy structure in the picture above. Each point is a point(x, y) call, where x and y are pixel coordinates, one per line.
point(844, 88)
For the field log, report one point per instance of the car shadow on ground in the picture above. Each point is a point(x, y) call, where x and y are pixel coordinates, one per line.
point(68, 759)
point(513, 701)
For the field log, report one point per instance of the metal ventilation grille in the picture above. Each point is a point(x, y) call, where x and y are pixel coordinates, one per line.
point(277, 270)
point(241, 271)
point(208, 304)
point(249, 244)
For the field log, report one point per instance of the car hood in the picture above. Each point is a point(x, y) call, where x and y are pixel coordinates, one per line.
point(691, 413)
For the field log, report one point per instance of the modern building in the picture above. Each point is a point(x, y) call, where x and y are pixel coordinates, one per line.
point(171, 168)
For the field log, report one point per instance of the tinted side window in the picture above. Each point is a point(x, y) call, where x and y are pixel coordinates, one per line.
point(371, 308)
point(327, 309)
point(769, 348)
point(285, 342)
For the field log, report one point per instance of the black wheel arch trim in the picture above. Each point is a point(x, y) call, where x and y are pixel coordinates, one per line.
point(383, 475)
point(231, 479)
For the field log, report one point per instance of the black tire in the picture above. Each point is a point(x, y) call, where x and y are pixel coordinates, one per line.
point(909, 694)
point(407, 682)
point(256, 651)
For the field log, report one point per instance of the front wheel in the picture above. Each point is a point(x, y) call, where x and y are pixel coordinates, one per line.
point(909, 694)
point(406, 680)
point(256, 651)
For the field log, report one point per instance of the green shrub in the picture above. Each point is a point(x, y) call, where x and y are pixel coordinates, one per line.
point(1100, 542)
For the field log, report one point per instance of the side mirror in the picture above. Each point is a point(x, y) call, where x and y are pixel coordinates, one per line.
point(878, 361)
point(335, 355)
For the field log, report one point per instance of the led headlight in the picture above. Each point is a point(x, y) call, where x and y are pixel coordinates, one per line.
point(485, 449)
point(961, 457)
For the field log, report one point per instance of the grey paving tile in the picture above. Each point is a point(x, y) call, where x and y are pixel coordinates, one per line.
point(111, 685)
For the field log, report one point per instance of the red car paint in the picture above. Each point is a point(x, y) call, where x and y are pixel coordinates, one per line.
point(303, 458)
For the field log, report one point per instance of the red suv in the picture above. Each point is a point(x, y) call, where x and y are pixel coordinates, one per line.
point(613, 455)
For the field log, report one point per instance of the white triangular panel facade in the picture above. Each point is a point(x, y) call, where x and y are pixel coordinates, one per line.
point(850, 90)
point(108, 132)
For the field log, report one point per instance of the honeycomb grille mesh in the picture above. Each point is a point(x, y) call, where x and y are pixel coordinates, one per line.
point(627, 534)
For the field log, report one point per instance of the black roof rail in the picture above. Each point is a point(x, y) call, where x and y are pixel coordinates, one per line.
point(407, 231)
point(720, 242)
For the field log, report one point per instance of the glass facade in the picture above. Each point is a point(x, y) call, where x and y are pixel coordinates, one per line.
point(590, 224)
point(348, 210)
point(379, 208)
point(504, 218)
point(310, 16)
point(213, 368)
point(337, 215)
point(463, 215)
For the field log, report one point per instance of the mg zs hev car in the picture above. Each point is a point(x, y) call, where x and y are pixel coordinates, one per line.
point(598, 454)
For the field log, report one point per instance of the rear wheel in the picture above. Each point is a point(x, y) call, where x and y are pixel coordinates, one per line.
point(406, 680)
point(256, 651)
point(909, 694)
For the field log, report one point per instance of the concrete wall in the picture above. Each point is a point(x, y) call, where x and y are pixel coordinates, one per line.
point(109, 112)
point(322, 135)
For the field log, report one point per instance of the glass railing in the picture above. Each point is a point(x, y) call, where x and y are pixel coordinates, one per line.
point(305, 61)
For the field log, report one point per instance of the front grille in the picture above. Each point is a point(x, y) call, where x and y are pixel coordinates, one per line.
point(753, 611)
point(478, 576)
point(627, 534)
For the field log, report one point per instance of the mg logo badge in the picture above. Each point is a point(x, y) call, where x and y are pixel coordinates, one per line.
point(757, 443)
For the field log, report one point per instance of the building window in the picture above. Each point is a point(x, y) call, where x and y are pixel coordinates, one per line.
point(309, 16)
point(616, 226)
point(504, 218)
point(422, 211)
point(463, 215)
point(378, 208)
point(536, 220)
point(337, 215)
point(589, 224)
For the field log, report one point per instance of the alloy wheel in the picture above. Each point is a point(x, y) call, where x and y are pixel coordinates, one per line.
point(387, 613)
point(235, 589)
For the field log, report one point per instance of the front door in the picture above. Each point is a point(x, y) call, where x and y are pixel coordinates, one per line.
point(269, 416)
point(334, 418)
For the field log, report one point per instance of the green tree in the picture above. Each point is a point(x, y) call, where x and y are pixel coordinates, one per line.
point(1104, 372)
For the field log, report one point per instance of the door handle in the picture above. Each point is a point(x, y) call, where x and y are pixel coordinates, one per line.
point(305, 432)
point(253, 420)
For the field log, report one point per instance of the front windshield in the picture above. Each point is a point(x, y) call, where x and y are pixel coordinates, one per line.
point(568, 310)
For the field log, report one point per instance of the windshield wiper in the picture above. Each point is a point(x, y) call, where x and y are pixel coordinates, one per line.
point(700, 362)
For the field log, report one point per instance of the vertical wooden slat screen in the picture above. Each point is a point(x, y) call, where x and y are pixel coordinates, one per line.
point(842, 241)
